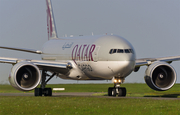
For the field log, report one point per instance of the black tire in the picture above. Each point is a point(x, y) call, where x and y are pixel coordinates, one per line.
point(122, 92)
point(47, 92)
point(114, 92)
point(38, 92)
point(110, 91)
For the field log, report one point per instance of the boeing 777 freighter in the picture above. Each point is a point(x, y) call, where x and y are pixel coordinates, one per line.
point(103, 57)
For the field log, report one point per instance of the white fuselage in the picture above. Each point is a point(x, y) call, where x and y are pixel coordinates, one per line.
point(93, 57)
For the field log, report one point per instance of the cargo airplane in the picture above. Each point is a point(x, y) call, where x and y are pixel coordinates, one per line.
point(86, 58)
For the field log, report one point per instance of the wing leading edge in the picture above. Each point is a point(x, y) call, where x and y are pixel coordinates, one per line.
point(22, 49)
point(149, 61)
point(42, 64)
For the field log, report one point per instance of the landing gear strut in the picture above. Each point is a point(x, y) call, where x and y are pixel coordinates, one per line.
point(42, 90)
point(117, 90)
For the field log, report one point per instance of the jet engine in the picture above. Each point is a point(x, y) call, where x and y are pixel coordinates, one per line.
point(160, 76)
point(25, 76)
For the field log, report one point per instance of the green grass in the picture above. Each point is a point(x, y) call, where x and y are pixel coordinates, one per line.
point(86, 105)
point(66, 105)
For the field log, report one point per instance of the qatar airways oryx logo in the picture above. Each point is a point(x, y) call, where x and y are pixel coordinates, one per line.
point(83, 52)
point(49, 20)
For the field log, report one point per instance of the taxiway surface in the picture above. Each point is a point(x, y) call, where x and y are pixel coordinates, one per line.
point(85, 94)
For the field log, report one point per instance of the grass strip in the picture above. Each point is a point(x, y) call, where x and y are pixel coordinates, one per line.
point(86, 105)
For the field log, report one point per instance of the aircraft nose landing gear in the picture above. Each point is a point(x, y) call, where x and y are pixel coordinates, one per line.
point(117, 90)
point(120, 91)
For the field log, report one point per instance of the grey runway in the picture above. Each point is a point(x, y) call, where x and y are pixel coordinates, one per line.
point(54, 94)
point(86, 94)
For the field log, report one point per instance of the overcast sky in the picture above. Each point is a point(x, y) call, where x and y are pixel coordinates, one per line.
point(152, 27)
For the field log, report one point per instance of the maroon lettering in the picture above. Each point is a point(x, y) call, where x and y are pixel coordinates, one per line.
point(74, 54)
point(82, 56)
point(86, 54)
point(79, 52)
point(91, 51)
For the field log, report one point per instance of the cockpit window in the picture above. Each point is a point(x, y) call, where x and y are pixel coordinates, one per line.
point(121, 51)
point(111, 51)
point(131, 50)
point(114, 51)
point(127, 51)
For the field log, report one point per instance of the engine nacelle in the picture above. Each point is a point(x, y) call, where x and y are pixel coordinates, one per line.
point(25, 76)
point(160, 76)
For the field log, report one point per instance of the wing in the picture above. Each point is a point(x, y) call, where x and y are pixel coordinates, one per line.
point(55, 66)
point(58, 67)
point(149, 61)
point(22, 49)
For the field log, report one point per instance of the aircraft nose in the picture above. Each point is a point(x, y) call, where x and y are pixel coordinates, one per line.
point(128, 57)
point(128, 68)
point(130, 63)
point(122, 68)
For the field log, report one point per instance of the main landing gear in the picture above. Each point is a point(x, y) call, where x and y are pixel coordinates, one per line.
point(42, 90)
point(117, 90)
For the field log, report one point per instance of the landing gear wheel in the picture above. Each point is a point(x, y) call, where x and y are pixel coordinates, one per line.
point(38, 92)
point(42, 90)
point(47, 92)
point(110, 91)
point(114, 92)
point(122, 92)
